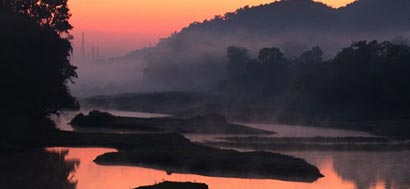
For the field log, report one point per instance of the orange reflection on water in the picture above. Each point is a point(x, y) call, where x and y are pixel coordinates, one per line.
point(90, 176)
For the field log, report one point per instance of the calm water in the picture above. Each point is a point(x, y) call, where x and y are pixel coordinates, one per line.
point(347, 170)
point(342, 170)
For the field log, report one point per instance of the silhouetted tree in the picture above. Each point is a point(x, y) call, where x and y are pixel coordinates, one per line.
point(368, 80)
point(266, 76)
point(238, 59)
point(365, 81)
point(34, 64)
point(53, 14)
point(313, 56)
point(271, 56)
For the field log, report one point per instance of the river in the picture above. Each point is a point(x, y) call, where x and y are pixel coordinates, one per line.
point(342, 170)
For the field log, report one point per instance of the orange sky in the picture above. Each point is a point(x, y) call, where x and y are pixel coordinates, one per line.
point(119, 26)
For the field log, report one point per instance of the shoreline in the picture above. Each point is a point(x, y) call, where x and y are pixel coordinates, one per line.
point(174, 153)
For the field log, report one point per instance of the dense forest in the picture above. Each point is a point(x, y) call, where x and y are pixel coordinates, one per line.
point(367, 80)
point(34, 66)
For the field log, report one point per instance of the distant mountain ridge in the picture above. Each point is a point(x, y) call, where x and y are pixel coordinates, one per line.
point(195, 56)
point(289, 14)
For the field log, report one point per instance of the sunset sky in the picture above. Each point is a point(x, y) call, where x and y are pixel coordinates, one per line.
point(120, 26)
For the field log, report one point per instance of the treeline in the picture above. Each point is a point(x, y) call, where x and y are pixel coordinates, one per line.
point(365, 81)
point(35, 65)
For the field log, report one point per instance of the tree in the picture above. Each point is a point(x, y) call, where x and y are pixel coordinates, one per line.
point(367, 80)
point(266, 76)
point(34, 63)
point(313, 56)
point(271, 56)
point(238, 59)
point(275, 69)
point(53, 14)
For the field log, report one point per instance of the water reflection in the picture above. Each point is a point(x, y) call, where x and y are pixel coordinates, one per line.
point(367, 170)
point(370, 169)
point(342, 170)
point(38, 169)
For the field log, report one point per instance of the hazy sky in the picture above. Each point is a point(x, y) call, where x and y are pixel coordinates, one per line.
point(119, 26)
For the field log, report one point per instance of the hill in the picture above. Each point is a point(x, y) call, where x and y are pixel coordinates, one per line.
point(195, 57)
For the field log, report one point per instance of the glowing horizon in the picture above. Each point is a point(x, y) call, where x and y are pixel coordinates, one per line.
point(118, 27)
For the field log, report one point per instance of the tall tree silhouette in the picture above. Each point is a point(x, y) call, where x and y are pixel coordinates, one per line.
point(34, 63)
point(237, 61)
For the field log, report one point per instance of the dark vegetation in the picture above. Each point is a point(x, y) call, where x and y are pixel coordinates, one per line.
point(313, 143)
point(175, 185)
point(365, 82)
point(35, 67)
point(207, 124)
